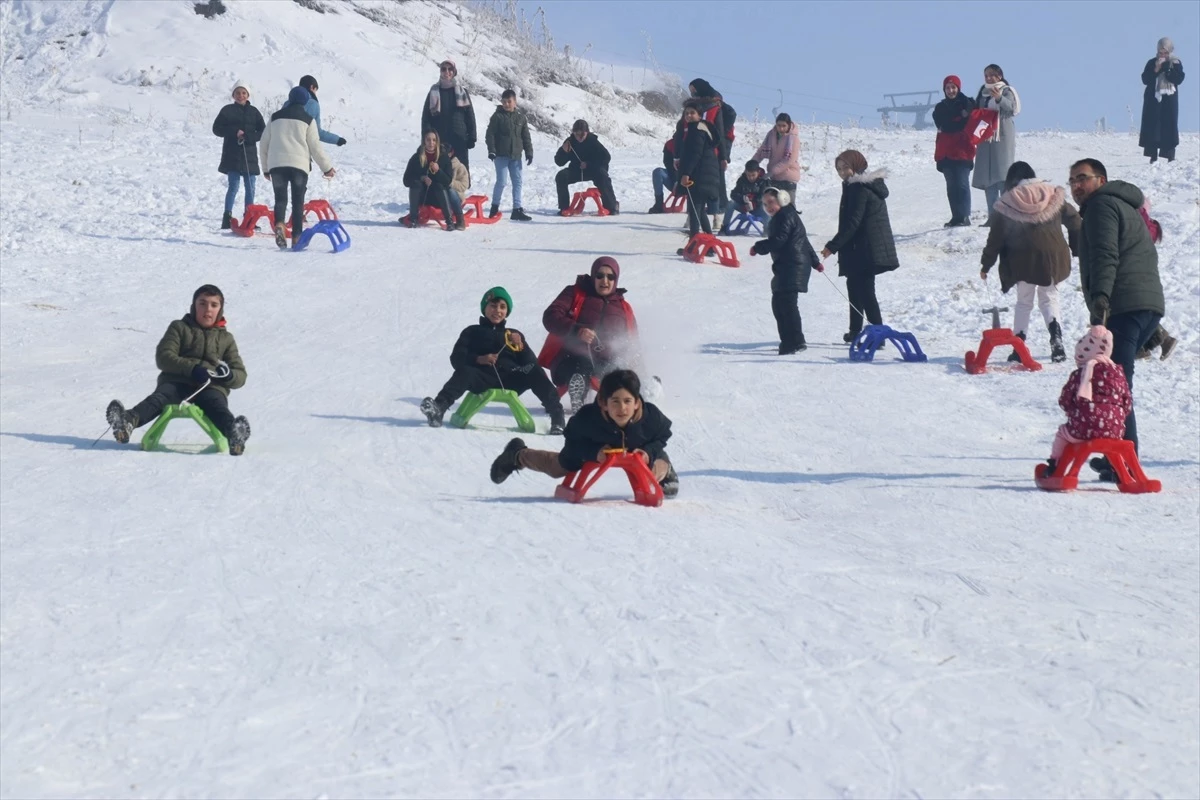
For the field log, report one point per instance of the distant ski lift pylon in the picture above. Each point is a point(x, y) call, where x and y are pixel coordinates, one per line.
point(918, 108)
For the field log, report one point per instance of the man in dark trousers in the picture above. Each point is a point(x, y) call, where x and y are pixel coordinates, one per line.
point(584, 159)
point(1118, 269)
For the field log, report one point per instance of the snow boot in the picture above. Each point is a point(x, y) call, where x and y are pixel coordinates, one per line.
point(1014, 357)
point(494, 211)
point(657, 208)
point(238, 436)
point(577, 391)
point(520, 216)
point(1058, 353)
point(507, 462)
point(460, 224)
point(121, 421)
point(433, 411)
point(281, 240)
point(1168, 346)
point(406, 221)
point(849, 336)
point(1104, 470)
point(558, 421)
point(227, 221)
point(670, 482)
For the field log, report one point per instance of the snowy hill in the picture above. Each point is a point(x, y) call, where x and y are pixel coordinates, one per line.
point(858, 592)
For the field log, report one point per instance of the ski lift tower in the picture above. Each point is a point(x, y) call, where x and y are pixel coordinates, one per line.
point(914, 107)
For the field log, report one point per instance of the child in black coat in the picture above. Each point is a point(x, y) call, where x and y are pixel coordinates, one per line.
point(492, 356)
point(792, 262)
point(618, 419)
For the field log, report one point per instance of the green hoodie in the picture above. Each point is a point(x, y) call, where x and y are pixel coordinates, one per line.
point(1117, 258)
point(508, 133)
point(186, 346)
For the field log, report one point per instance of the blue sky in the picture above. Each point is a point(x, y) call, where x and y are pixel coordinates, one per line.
point(1071, 62)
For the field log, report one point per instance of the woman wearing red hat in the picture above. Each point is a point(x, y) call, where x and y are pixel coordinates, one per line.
point(953, 151)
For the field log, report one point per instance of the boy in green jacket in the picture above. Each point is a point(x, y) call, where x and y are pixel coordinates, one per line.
point(196, 353)
point(507, 135)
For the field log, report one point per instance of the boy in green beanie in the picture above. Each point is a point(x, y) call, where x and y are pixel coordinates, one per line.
point(492, 356)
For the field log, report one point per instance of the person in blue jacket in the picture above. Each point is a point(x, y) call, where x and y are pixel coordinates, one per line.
point(313, 109)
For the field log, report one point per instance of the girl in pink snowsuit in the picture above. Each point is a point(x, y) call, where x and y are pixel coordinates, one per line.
point(1096, 397)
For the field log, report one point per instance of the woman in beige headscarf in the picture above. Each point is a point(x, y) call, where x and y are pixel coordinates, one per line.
point(1160, 103)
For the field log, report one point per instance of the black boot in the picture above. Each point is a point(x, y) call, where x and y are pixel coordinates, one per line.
point(1014, 356)
point(227, 221)
point(494, 211)
point(657, 208)
point(520, 216)
point(121, 421)
point(238, 436)
point(433, 411)
point(670, 482)
point(507, 462)
point(849, 336)
point(1058, 353)
point(558, 421)
point(577, 388)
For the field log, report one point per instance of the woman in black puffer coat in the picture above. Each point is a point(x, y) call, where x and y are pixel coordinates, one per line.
point(792, 262)
point(864, 241)
point(699, 170)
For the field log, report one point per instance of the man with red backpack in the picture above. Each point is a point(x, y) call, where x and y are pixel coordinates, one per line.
point(720, 117)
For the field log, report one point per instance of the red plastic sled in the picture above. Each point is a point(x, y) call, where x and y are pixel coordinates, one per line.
point(1131, 479)
point(257, 212)
point(676, 203)
point(430, 214)
point(999, 337)
point(577, 203)
point(699, 245)
point(646, 490)
point(473, 211)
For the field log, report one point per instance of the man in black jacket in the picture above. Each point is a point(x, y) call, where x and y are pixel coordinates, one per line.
point(584, 159)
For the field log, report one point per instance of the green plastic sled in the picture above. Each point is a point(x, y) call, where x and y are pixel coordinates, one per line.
point(473, 402)
point(170, 412)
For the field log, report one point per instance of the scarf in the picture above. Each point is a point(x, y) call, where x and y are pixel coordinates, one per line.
point(461, 98)
point(993, 103)
point(1163, 86)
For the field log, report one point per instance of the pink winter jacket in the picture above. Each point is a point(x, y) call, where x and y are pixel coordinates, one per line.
point(1103, 417)
point(783, 153)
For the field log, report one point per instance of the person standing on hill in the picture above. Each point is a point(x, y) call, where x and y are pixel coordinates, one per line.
point(720, 117)
point(288, 148)
point(864, 241)
point(448, 111)
point(792, 263)
point(507, 136)
point(698, 168)
point(240, 125)
point(953, 151)
point(1160, 103)
point(994, 156)
point(1118, 271)
point(313, 109)
point(781, 150)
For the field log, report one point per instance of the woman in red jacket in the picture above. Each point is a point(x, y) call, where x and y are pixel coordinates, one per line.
point(592, 331)
point(953, 151)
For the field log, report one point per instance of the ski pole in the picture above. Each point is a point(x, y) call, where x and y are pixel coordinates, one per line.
point(839, 291)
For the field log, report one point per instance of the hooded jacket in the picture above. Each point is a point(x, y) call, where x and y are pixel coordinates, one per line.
point(792, 255)
point(1117, 259)
point(1026, 234)
point(592, 430)
point(239, 156)
point(864, 241)
point(186, 346)
point(291, 140)
point(508, 134)
point(699, 160)
point(590, 151)
point(782, 152)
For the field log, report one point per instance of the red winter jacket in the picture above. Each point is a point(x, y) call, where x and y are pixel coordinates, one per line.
point(1103, 417)
point(611, 317)
point(953, 139)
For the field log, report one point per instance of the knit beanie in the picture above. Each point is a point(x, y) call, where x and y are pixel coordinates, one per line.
point(496, 293)
point(208, 289)
point(1095, 347)
point(309, 82)
point(298, 96)
point(952, 79)
point(239, 85)
point(611, 263)
point(853, 159)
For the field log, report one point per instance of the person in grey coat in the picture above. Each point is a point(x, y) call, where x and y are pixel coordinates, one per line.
point(1160, 103)
point(994, 156)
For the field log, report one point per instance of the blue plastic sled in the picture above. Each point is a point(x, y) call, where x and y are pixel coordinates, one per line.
point(331, 228)
point(873, 337)
point(744, 224)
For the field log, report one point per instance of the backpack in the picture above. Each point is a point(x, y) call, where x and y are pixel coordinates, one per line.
point(728, 117)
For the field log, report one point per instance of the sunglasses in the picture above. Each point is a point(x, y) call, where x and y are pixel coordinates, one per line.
point(447, 69)
point(605, 276)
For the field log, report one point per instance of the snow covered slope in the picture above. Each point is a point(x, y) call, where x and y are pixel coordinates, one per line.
point(858, 593)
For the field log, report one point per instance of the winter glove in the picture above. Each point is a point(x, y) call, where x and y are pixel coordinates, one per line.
point(819, 267)
point(1100, 309)
point(222, 373)
point(529, 160)
point(491, 156)
point(340, 142)
point(200, 375)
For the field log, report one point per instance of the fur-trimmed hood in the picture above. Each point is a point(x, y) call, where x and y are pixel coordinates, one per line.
point(1032, 201)
point(873, 180)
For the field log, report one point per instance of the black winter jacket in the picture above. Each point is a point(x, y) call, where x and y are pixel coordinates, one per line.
point(748, 192)
point(792, 255)
point(441, 179)
point(591, 430)
point(590, 151)
point(455, 125)
point(239, 156)
point(485, 339)
point(864, 241)
point(699, 161)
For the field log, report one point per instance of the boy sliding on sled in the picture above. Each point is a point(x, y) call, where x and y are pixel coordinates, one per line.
point(618, 419)
point(196, 353)
point(491, 356)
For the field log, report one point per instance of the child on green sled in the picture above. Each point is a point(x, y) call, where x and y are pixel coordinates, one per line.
point(196, 351)
point(619, 418)
point(491, 355)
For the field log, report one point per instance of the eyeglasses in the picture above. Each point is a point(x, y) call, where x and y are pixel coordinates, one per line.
point(1079, 180)
point(605, 276)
